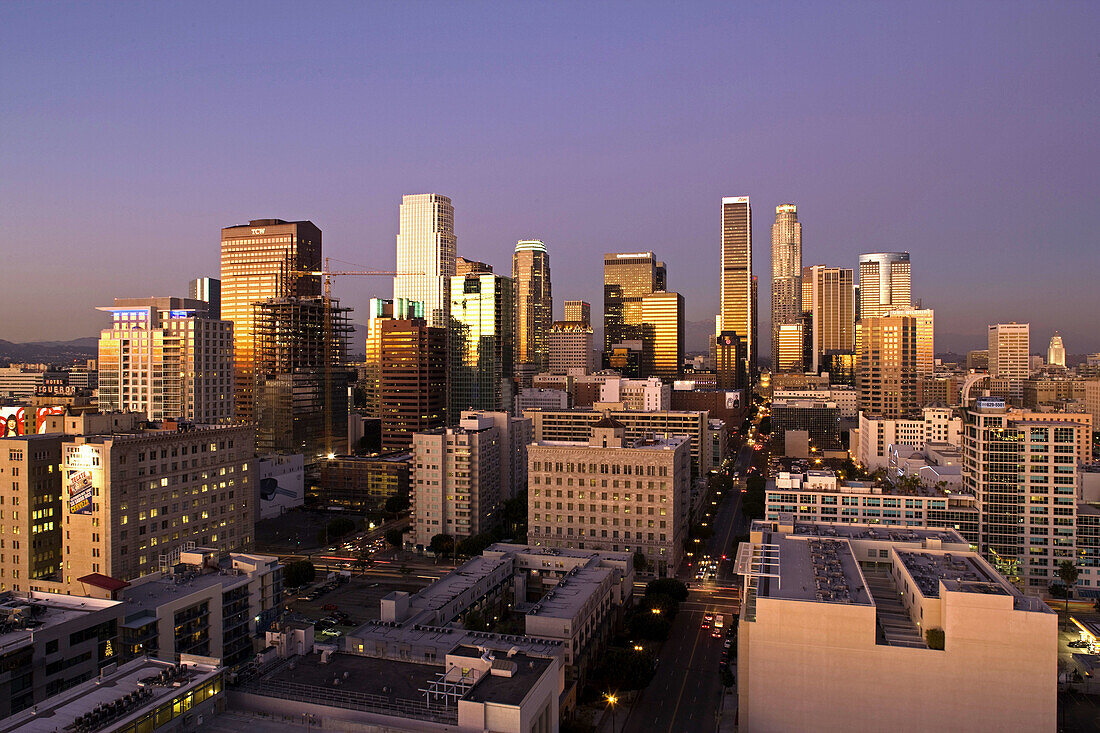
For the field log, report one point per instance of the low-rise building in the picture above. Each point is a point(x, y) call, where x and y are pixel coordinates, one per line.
point(50, 643)
point(362, 484)
point(845, 397)
point(612, 493)
point(907, 621)
point(530, 398)
point(937, 424)
point(936, 464)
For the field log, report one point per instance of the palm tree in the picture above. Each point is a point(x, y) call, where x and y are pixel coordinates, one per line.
point(1067, 573)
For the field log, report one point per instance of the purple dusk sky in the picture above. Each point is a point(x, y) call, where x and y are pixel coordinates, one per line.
point(965, 133)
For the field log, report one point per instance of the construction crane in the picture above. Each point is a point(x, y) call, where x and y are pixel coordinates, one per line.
point(326, 275)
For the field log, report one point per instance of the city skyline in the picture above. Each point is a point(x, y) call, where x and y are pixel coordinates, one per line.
point(850, 161)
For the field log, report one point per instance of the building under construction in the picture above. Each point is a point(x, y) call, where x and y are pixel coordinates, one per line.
point(302, 375)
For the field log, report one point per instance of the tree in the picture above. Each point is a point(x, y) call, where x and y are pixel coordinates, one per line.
point(394, 537)
point(765, 426)
point(299, 573)
point(670, 587)
point(935, 638)
point(475, 545)
point(640, 562)
point(474, 621)
point(442, 544)
point(1067, 573)
point(397, 503)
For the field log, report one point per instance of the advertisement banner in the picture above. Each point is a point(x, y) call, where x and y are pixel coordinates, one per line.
point(42, 413)
point(80, 491)
point(13, 421)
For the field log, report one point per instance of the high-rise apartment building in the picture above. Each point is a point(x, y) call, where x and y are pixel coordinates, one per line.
point(165, 358)
point(1009, 355)
point(789, 348)
point(786, 282)
point(884, 283)
point(1023, 470)
point(378, 311)
point(888, 366)
point(208, 290)
point(301, 376)
point(456, 484)
point(534, 304)
point(926, 337)
point(662, 335)
point(627, 278)
point(426, 251)
point(1056, 351)
point(569, 346)
point(578, 311)
point(832, 311)
point(33, 528)
point(482, 345)
point(737, 300)
point(261, 260)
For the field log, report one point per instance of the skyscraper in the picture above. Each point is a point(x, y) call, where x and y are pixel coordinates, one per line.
point(259, 261)
point(736, 263)
point(627, 278)
point(208, 290)
point(662, 335)
point(412, 379)
point(464, 266)
point(926, 337)
point(832, 311)
point(570, 347)
point(1009, 350)
point(533, 302)
point(578, 311)
point(786, 279)
point(482, 344)
point(426, 250)
point(163, 357)
point(1056, 352)
point(888, 366)
point(884, 283)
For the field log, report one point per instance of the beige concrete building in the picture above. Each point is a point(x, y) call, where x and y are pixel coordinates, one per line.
point(611, 493)
point(885, 283)
point(828, 295)
point(878, 434)
point(830, 610)
point(569, 347)
point(1009, 352)
point(926, 337)
point(887, 375)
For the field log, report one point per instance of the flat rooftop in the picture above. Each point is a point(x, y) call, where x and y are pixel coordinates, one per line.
point(571, 592)
point(24, 614)
point(878, 532)
point(962, 572)
point(812, 569)
point(60, 712)
point(455, 583)
point(526, 671)
point(669, 443)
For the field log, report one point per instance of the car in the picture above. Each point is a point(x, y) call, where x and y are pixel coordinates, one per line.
point(726, 644)
point(708, 617)
point(329, 607)
point(705, 624)
point(1078, 644)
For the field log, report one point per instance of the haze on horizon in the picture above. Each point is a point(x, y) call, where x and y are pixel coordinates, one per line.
point(962, 133)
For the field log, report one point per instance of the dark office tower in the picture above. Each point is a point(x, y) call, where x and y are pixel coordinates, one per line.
point(660, 278)
point(730, 361)
point(465, 266)
point(301, 376)
point(534, 305)
point(263, 260)
point(412, 379)
point(627, 278)
point(786, 282)
point(737, 303)
point(480, 361)
point(208, 290)
point(754, 336)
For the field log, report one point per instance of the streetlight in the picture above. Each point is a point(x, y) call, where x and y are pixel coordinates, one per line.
point(611, 700)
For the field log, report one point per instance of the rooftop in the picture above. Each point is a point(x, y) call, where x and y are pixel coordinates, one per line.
point(822, 570)
point(23, 614)
point(156, 589)
point(961, 572)
point(878, 532)
point(135, 688)
point(571, 592)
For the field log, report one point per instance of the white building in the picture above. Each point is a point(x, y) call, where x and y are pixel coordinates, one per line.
point(426, 249)
point(456, 484)
point(1009, 355)
point(530, 398)
point(163, 357)
point(643, 395)
point(832, 610)
point(515, 434)
point(846, 397)
point(877, 434)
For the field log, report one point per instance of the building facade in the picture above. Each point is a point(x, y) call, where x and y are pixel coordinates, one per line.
point(264, 259)
point(163, 357)
point(1009, 350)
point(426, 251)
point(888, 366)
point(482, 344)
point(736, 261)
point(832, 311)
point(611, 493)
point(627, 278)
point(569, 347)
point(578, 311)
point(786, 281)
point(362, 484)
point(662, 335)
point(885, 283)
point(534, 304)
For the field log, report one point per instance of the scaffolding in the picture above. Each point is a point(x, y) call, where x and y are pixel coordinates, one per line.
point(451, 686)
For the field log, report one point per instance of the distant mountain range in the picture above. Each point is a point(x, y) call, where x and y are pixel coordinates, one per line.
point(56, 352)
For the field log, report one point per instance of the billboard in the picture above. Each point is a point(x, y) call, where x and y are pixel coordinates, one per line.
point(80, 491)
point(14, 419)
point(282, 484)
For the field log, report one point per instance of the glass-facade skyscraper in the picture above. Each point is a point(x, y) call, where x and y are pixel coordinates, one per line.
point(786, 281)
point(737, 300)
point(482, 344)
point(627, 278)
point(262, 260)
point(533, 302)
point(884, 283)
point(426, 251)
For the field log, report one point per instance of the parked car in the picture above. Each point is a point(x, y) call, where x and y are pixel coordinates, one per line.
point(329, 607)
